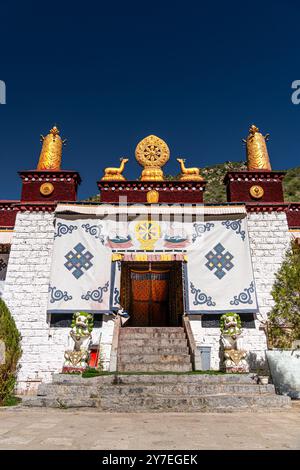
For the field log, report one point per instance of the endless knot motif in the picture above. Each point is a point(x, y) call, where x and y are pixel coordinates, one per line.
point(78, 260)
point(219, 261)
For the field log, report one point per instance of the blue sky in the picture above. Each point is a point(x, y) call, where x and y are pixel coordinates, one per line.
point(196, 74)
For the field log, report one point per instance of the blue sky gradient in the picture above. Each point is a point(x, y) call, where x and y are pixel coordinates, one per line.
point(196, 74)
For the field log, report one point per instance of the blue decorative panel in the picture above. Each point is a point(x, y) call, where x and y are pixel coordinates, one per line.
point(245, 297)
point(97, 294)
point(95, 231)
point(79, 260)
point(56, 295)
point(200, 297)
point(235, 225)
point(64, 229)
point(201, 228)
point(219, 261)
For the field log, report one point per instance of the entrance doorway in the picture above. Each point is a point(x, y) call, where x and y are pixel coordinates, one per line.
point(152, 293)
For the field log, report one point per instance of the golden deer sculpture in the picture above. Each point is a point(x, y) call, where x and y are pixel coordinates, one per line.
point(189, 174)
point(115, 174)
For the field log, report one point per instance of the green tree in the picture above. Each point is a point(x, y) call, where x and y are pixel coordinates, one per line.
point(284, 320)
point(11, 338)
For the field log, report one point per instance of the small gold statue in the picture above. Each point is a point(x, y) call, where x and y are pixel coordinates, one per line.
point(189, 174)
point(256, 150)
point(115, 174)
point(51, 153)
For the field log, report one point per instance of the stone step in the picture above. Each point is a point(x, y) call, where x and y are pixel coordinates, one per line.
point(155, 342)
point(183, 378)
point(155, 349)
point(155, 367)
point(152, 334)
point(75, 390)
point(184, 389)
point(61, 402)
point(217, 403)
point(175, 378)
point(151, 329)
point(151, 358)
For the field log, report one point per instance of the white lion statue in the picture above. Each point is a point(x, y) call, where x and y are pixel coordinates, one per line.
point(231, 332)
point(80, 338)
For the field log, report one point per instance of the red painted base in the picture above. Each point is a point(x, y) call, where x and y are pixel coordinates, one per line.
point(238, 185)
point(65, 184)
point(7, 214)
point(170, 192)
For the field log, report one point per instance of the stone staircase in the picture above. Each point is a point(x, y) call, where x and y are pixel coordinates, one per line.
point(159, 393)
point(153, 349)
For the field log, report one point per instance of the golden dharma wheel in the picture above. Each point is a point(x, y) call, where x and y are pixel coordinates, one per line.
point(152, 152)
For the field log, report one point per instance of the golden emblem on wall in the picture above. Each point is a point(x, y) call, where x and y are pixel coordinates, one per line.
point(46, 189)
point(256, 149)
point(152, 153)
point(152, 196)
point(147, 233)
point(51, 153)
point(115, 173)
point(256, 191)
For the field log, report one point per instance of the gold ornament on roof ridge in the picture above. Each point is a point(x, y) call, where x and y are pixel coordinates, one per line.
point(51, 153)
point(115, 173)
point(189, 174)
point(256, 149)
point(152, 153)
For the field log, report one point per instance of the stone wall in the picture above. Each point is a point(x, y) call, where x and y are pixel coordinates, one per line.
point(269, 238)
point(26, 294)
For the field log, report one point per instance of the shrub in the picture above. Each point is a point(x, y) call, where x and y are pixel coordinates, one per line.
point(284, 320)
point(11, 337)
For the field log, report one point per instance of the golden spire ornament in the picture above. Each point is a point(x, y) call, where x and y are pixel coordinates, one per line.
point(256, 150)
point(51, 153)
point(152, 153)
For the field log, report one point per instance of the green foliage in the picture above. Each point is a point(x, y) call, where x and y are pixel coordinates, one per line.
point(215, 191)
point(284, 320)
point(11, 337)
point(291, 185)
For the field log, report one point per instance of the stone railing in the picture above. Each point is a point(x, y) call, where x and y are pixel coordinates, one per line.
point(114, 346)
point(194, 352)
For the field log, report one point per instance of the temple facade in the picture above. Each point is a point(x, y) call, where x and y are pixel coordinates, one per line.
point(151, 254)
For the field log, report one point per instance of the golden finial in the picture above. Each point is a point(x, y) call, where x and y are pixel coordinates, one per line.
point(189, 174)
point(115, 174)
point(152, 153)
point(256, 149)
point(51, 153)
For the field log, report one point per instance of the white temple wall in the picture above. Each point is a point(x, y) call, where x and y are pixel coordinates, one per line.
point(269, 238)
point(26, 295)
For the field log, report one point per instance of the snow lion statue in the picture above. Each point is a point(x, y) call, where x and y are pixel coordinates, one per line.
point(80, 338)
point(231, 331)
